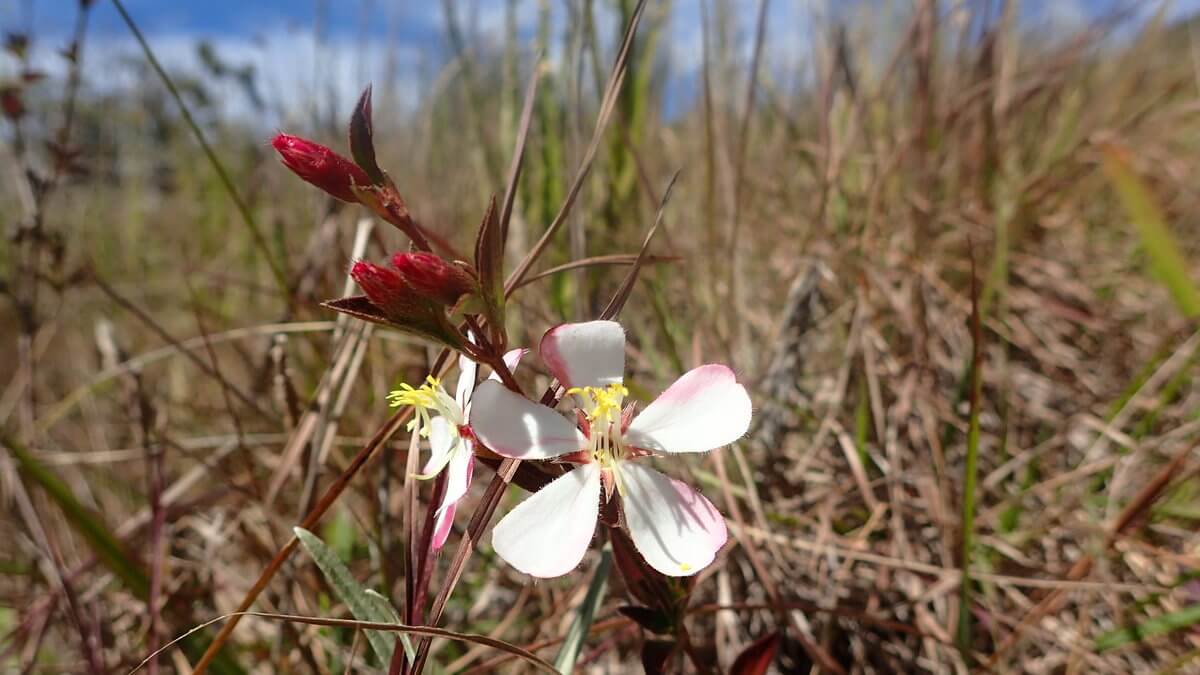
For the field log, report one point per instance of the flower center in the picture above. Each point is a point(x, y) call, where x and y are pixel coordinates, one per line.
point(429, 396)
point(602, 407)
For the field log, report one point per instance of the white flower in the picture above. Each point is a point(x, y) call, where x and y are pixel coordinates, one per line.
point(675, 528)
point(450, 443)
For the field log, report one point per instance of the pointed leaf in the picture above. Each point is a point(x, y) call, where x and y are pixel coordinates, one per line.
point(756, 658)
point(383, 608)
point(652, 620)
point(646, 584)
point(363, 605)
point(362, 138)
point(582, 623)
point(430, 326)
point(655, 654)
point(489, 261)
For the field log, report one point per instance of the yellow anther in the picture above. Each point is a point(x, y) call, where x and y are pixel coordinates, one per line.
point(601, 404)
point(429, 396)
point(424, 397)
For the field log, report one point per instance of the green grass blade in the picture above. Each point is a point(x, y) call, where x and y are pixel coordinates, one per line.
point(577, 634)
point(222, 174)
point(107, 548)
point(104, 544)
point(1165, 260)
point(1160, 625)
point(364, 605)
point(964, 634)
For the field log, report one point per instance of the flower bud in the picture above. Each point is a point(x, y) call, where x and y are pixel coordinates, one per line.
point(11, 104)
point(321, 166)
point(433, 277)
point(386, 289)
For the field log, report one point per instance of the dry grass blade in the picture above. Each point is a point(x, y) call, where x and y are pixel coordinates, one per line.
point(203, 340)
point(518, 158)
point(327, 499)
point(424, 631)
point(1136, 508)
point(607, 105)
point(598, 260)
point(622, 295)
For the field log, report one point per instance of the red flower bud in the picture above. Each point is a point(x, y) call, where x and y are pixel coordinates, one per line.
point(433, 277)
point(10, 103)
point(386, 289)
point(321, 166)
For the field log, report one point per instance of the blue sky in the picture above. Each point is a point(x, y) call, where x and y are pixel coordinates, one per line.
point(404, 40)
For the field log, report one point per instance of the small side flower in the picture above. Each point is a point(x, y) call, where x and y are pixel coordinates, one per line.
point(442, 419)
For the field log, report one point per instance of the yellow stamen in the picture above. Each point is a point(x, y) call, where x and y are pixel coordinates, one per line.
point(423, 399)
point(602, 405)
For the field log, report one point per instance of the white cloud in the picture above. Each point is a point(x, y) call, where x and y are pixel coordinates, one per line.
point(293, 73)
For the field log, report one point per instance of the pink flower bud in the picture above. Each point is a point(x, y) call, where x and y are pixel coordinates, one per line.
point(321, 166)
point(386, 289)
point(433, 277)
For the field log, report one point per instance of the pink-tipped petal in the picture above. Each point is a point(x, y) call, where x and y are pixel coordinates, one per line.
point(674, 527)
point(547, 534)
point(704, 409)
point(441, 526)
point(588, 354)
point(512, 359)
point(512, 425)
point(458, 481)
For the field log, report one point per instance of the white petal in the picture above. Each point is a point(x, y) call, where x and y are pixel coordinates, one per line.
point(458, 481)
point(466, 380)
point(442, 439)
point(458, 473)
point(514, 426)
point(547, 534)
point(588, 354)
point(704, 409)
point(674, 527)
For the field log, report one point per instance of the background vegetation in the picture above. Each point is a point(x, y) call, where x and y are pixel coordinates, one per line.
point(922, 490)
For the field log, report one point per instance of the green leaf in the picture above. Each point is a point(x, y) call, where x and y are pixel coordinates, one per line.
point(384, 608)
point(364, 605)
point(1159, 625)
point(1165, 260)
point(577, 634)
